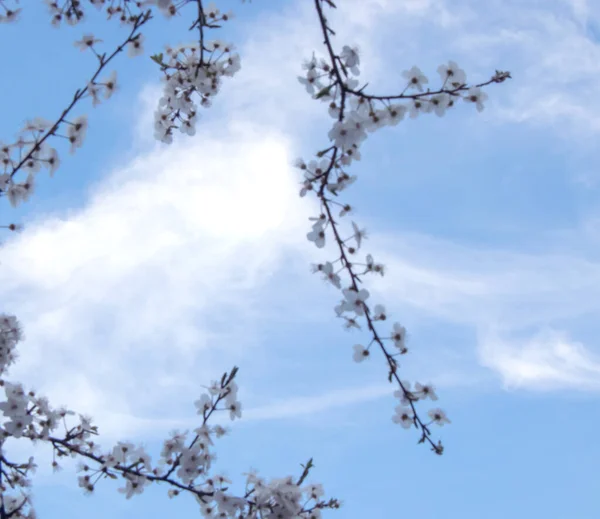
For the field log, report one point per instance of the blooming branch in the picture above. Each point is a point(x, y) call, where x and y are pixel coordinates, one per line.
point(356, 113)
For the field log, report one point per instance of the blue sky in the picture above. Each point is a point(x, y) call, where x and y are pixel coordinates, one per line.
point(146, 271)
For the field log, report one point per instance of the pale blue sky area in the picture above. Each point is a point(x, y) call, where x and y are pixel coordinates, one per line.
point(146, 271)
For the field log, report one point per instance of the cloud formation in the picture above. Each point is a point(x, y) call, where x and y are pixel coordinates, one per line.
point(131, 289)
point(503, 296)
point(547, 360)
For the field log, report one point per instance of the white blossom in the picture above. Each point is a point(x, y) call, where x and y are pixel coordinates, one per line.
point(425, 391)
point(477, 96)
point(87, 42)
point(438, 416)
point(404, 416)
point(360, 353)
point(416, 79)
point(452, 74)
point(135, 47)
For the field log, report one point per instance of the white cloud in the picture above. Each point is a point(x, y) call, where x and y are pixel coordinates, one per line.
point(551, 53)
point(159, 270)
point(548, 360)
point(472, 285)
point(299, 406)
point(509, 292)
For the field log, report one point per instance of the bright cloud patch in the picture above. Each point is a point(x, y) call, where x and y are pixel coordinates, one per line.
point(160, 268)
point(549, 360)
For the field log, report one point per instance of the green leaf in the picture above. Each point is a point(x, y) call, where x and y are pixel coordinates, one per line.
point(323, 92)
point(157, 58)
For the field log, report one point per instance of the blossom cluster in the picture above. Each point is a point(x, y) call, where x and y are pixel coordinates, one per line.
point(357, 114)
point(73, 12)
point(31, 150)
point(195, 68)
point(184, 465)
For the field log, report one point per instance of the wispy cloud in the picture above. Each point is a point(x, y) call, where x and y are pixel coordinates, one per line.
point(548, 360)
point(133, 289)
point(301, 406)
point(509, 292)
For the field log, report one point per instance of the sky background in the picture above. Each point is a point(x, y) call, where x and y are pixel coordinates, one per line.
point(145, 271)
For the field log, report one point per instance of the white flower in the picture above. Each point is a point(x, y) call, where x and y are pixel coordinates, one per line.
point(110, 85)
point(134, 485)
point(310, 82)
point(310, 64)
point(359, 234)
point(404, 416)
point(452, 74)
point(343, 136)
point(351, 323)
point(415, 78)
point(358, 123)
point(13, 407)
point(351, 59)
point(94, 92)
point(379, 313)
point(15, 193)
point(419, 106)
point(330, 275)
point(438, 416)
point(374, 267)
point(350, 155)
point(405, 395)
point(211, 10)
point(477, 96)
point(122, 450)
point(165, 7)
point(350, 83)
point(234, 64)
point(37, 125)
point(32, 164)
point(360, 106)
point(318, 236)
point(355, 300)
point(84, 482)
point(317, 168)
point(360, 353)
point(140, 456)
point(135, 46)
point(16, 427)
point(315, 490)
point(76, 132)
point(235, 410)
point(425, 390)
point(11, 15)
point(219, 431)
point(87, 42)
point(215, 388)
point(399, 337)
point(439, 103)
point(52, 161)
point(204, 403)
point(188, 126)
